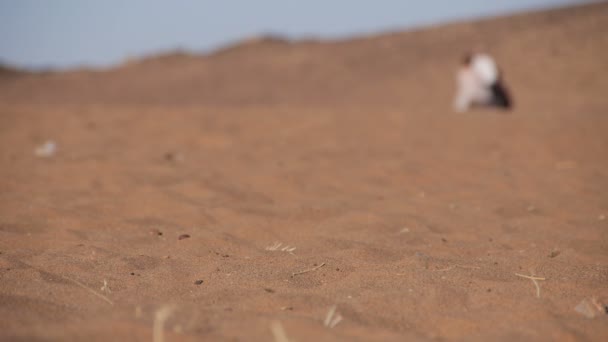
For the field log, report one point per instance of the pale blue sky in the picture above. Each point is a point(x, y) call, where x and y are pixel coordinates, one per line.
point(68, 33)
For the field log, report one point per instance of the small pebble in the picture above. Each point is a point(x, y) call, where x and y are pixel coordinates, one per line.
point(554, 253)
point(46, 150)
point(156, 232)
point(174, 157)
point(269, 290)
point(183, 236)
point(198, 282)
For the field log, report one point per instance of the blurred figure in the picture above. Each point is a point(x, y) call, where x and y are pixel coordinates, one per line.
point(479, 83)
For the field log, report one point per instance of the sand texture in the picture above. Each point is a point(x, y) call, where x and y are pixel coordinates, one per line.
point(298, 178)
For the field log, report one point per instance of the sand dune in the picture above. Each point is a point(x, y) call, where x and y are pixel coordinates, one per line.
point(309, 175)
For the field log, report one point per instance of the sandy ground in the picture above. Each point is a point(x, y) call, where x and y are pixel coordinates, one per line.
point(309, 176)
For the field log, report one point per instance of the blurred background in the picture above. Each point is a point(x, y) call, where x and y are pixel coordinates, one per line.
point(73, 33)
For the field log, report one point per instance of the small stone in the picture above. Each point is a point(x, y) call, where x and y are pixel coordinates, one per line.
point(183, 236)
point(554, 253)
point(174, 157)
point(156, 232)
point(269, 290)
point(46, 150)
point(198, 282)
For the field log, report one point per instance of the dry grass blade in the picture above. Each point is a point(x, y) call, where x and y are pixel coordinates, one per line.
point(105, 288)
point(160, 316)
point(332, 318)
point(278, 332)
point(279, 247)
point(106, 299)
point(534, 280)
point(308, 270)
point(335, 321)
point(530, 277)
point(457, 266)
point(329, 316)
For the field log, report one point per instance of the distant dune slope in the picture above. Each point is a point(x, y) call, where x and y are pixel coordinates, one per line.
point(394, 69)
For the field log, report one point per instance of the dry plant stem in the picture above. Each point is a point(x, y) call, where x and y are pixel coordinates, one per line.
point(278, 332)
point(330, 315)
point(537, 288)
point(332, 319)
point(335, 322)
point(90, 290)
point(309, 270)
point(534, 280)
point(278, 246)
point(530, 277)
point(160, 317)
point(457, 266)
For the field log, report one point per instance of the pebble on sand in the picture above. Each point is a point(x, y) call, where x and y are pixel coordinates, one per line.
point(46, 150)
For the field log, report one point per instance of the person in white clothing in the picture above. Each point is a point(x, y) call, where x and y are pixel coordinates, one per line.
point(480, 83)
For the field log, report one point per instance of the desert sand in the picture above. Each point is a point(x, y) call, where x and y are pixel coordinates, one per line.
point(298, 178)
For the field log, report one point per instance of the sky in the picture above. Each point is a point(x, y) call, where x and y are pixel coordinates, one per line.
point(100, 33)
